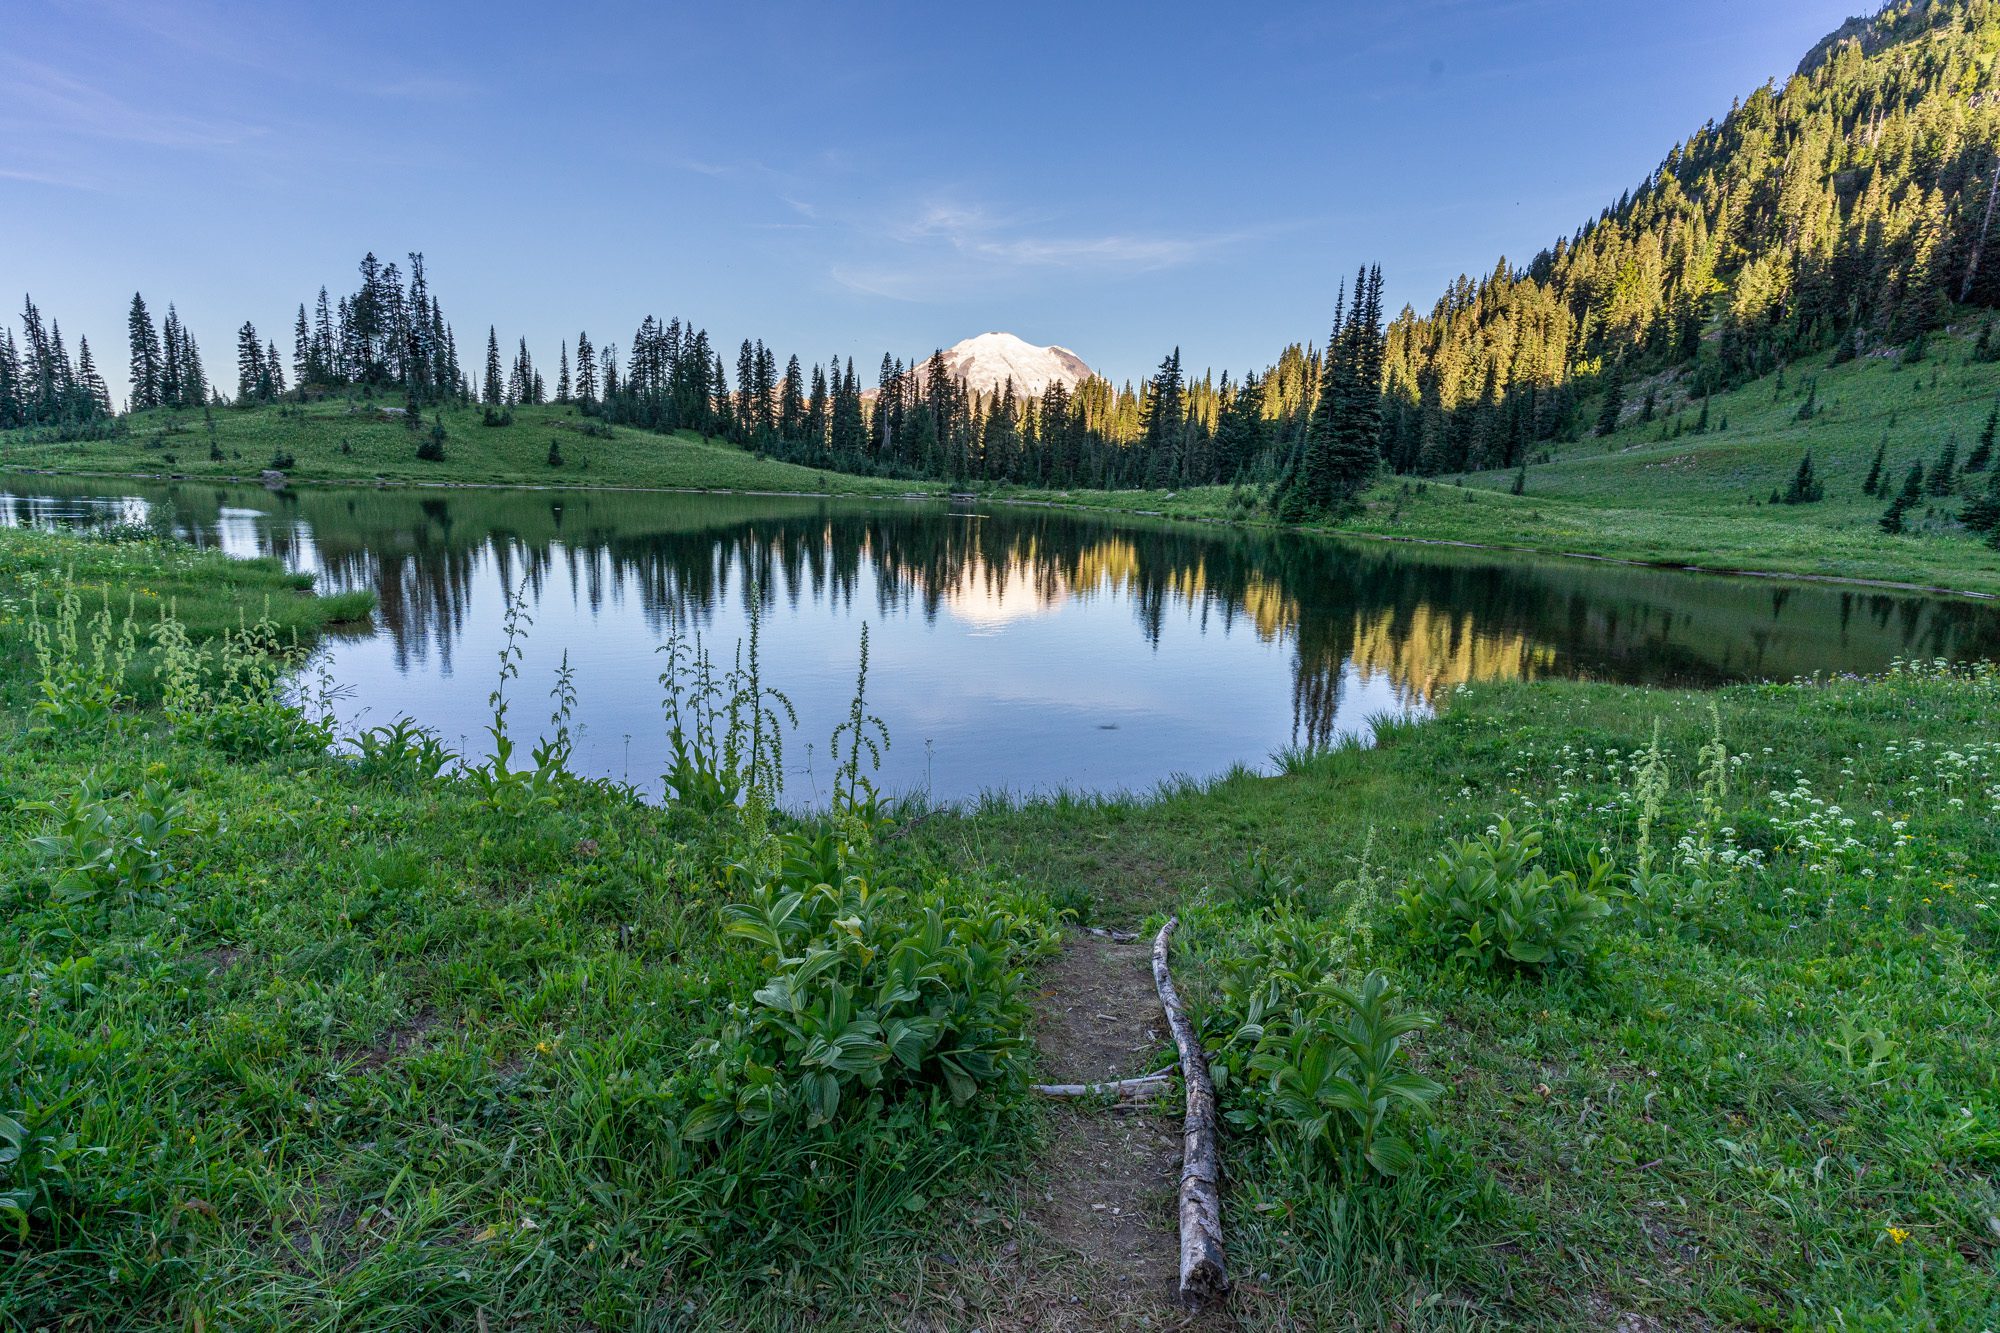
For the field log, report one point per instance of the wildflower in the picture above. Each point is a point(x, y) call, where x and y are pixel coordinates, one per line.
point(1898, 1235)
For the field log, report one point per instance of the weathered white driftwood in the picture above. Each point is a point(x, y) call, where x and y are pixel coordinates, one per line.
point(1124, 1089)
point(1204, 1279)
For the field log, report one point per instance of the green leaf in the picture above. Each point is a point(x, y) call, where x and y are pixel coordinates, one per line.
point(1390, 1155)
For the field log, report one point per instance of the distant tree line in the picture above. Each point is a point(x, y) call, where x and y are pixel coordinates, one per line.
point(41, 386)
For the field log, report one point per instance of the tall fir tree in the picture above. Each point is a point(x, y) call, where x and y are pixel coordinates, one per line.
point(144, 341)
point(493, 391)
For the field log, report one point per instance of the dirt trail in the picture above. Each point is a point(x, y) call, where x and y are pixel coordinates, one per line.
point(1103, 1249)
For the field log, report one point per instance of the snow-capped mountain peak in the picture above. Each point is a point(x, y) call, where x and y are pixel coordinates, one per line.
point(985, 363)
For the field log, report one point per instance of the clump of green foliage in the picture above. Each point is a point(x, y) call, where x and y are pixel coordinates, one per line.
point(1489, 901)
point(869, 991)
point(1328, 1072)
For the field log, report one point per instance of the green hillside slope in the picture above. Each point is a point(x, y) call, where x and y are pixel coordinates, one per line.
point(346, 439)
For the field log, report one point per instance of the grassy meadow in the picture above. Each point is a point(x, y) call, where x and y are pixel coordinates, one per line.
point(356, 440)
point(1574, 1005)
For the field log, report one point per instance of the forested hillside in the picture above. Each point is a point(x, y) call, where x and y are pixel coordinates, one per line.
point(1846, 211)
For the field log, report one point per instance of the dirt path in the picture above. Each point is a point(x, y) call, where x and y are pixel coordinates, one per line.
point(1102, 1249)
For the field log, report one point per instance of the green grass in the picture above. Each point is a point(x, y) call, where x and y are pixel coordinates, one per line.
point(352, 440)
point(1725, 1109)
point(373, 1050)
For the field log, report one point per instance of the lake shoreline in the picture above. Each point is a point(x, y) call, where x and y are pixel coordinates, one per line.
point(1031, 501)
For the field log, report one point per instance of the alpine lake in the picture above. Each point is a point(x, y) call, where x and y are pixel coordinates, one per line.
point(1012, 649)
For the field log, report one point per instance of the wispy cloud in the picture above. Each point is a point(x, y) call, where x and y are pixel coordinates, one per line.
point(945, 248)
point(974, 230)
point(62, 180)
point(50, 102)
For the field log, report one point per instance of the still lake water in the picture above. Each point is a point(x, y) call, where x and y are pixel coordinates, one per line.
point(1012, 649)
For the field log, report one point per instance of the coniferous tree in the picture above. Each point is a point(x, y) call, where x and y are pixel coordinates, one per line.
point(1805, 488)
point(1910, 496)
point(144, 341)
point(562, 373)
point(193, 379)
point(1892, 517)
point(41, 382)
point(324, 364)
point(1982, 454)
point(13, 410)
point(170, 359)
point(1342, 448)
point(1982, 513)
point(63, 396)
point(1239, 435)
point(1874, 481)
point(250, 372)
point(1614, 400)
point(94, 395)
point(1943, 476)
point(302, 351)
point(586, 370)
point(492, 392)
point(849, 433)
point(791, 403)
point(1161, 419)
point(818, 413)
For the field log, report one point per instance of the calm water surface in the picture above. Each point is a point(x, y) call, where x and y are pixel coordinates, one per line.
point(1017, 649)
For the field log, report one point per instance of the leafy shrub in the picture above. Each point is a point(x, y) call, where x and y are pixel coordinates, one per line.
point(1335, 1076)
point(104, 854)
point(403, 752)
point(235, 701)
point(1487, 900)
point(1312, 1063)
point(868, 991)
point(501, 787)
point(723, 733)
point(81, 662)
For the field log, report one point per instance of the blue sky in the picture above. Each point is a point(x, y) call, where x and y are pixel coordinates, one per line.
point(1118, 178)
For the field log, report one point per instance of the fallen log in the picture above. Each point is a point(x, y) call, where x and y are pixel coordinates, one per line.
point(1124, 1089)
point(1204, 1279)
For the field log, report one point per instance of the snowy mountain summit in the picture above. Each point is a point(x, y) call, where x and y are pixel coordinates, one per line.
point(985, 363)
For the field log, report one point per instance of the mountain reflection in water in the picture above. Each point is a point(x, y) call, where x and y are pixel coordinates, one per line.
point(1028, 649)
